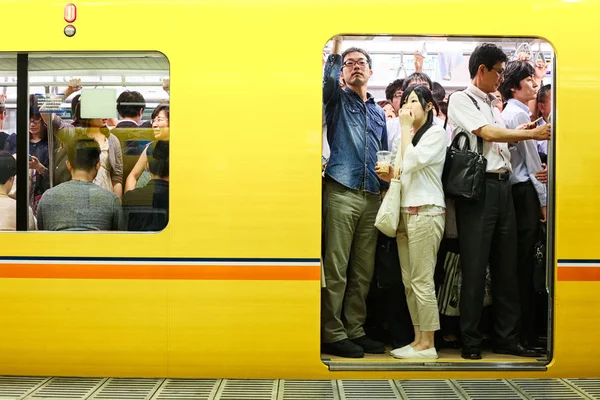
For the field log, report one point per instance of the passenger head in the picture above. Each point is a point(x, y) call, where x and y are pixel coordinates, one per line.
point(417, 78)
point(419, 99)
point(8, 170)
point(160, 122)
point(438, 92)
point(356, 67)
point(544, 102)
point(37, 127)
point(75, 110)
point(158, 159)
point(486, 67)
point(131, 104)
point(393, 92)
point(2, 114)
point(387, 108)
point(519, 82)
point(84, 155)
point(500, 102)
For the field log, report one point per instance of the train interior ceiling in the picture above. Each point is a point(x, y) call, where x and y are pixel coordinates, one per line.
point(445, 60)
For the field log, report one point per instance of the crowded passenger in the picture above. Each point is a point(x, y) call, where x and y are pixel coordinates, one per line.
point(487, 227)
point(529, 194)
point(80, 204)
point(423, 148)
point(355, 131)
point(147, 208)
point(8, 205)
point(139, 176)
point(387, 108)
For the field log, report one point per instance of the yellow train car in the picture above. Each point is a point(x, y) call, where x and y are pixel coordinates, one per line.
point(231, 287)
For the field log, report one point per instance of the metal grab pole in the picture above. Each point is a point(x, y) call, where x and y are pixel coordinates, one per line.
point(50, 133)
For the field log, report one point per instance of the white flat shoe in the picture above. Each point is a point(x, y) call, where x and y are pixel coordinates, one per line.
point(398, 353)
point(423, 354)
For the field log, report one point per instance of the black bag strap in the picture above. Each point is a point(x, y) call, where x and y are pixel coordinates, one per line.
point(479, 139)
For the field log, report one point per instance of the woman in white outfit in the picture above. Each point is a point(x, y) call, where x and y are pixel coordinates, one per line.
point(423, 147)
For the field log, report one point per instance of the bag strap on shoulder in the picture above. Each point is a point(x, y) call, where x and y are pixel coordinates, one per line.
point(479, 139)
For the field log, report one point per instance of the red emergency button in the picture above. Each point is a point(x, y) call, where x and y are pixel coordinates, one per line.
point(70, 12)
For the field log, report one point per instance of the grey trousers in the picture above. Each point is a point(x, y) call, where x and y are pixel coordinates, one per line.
point(350, 243)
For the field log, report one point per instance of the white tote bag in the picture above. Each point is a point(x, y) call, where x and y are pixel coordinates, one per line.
point(388, 216)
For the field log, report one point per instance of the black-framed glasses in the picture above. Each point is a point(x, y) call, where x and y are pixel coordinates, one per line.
point(352, 63)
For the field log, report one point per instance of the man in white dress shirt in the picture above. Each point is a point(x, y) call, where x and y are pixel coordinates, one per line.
point(529, 194)
point(487, 227)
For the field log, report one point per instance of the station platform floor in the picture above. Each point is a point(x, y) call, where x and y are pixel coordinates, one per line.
point(65, 388)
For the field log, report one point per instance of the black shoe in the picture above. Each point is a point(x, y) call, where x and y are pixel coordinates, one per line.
point(471, 353)
point(540, 348)
point(343, 348)
point(369, 345)
point(517, 349)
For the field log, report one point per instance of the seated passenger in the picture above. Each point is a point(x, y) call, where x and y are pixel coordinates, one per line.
point(147, 208)
point(160, 125)
point(79, 204)
point(8, 206)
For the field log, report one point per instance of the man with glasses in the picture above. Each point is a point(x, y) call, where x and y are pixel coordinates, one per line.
point(487, 227)
point(356, 132)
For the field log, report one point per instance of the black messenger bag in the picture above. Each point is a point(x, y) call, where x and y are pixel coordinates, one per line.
point(464, 170)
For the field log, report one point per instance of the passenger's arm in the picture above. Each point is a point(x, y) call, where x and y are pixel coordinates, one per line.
point(137, 171)
point(497, 134)
point(331, 74)
point(117, 172)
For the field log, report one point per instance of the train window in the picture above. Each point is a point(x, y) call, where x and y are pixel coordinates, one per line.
point(391, 108)
point(98, 148)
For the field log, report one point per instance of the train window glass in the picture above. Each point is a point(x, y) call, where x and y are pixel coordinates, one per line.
point(385, 96)
point(98, 139)
point(8, 117)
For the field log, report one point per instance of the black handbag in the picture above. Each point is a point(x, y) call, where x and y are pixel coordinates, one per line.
point(539, 261)
point(463, 177)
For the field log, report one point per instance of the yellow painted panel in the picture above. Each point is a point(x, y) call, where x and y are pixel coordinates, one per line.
point(246, 123)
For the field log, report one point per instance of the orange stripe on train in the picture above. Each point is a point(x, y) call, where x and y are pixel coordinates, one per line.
point(578, 273)
point(178, 272)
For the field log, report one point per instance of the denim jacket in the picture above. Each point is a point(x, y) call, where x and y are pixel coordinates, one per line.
point(356, 131)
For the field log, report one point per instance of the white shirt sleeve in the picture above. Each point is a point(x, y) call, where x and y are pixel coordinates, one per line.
point(463, 113)
point(431, 149)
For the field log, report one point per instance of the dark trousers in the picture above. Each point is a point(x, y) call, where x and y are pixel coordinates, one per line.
point(488, 234)
point(527, 211)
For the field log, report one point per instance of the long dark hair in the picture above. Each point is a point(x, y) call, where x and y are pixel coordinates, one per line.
point(424, 95)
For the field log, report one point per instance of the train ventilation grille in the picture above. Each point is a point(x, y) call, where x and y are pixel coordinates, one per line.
point(17, 387)
point(546, 389)
point(183, 389)
point(308, 390)
point(363, 390)
point(127, 389)
point(490, 389)
point(590, 387)
point(428, 390)
point(66, 388)
point(240, 389)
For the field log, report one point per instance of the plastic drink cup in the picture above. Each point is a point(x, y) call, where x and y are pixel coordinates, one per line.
point(384, 159)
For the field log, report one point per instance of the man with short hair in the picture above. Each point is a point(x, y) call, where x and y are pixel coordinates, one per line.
point(147, 208)
point(355, 132)
point(487, 226)
point(417, 78)
point(132, 134)
point(393, 92)
point(544, 108)
point(79, 204)
point(529, 194)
